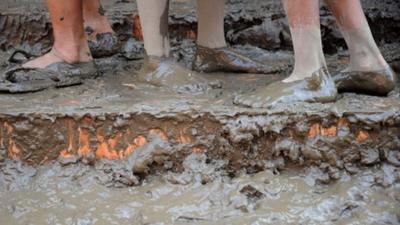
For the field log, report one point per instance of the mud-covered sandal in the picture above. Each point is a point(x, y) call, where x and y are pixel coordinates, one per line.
point(21, 80)
point(227, 60)
point(106, 44)
point(379, 82)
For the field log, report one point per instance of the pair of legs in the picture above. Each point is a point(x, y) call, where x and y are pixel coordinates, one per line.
point(310, 81)
point(212, 54)
point(154, 18)
point(304, 24)
point(70, 41)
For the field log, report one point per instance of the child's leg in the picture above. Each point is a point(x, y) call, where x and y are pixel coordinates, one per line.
point(211, 23)
point(364, 53)
point(304, 25)
point(70, 43)
point(212, 54)
point(154, 19)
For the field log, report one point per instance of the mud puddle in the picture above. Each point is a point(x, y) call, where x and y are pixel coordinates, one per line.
point(202, 194)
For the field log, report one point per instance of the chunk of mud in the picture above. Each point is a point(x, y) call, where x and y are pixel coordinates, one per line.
point(67, 160)
point(197, 169)
point(388, 176)
point(334, 173)
point(311, 153)
point(369, 156)
point(351, 168)
point(122, 173)
point(115, 174)
point(155, 151)
point(393, 157)
point(290, 148)
point(315, 176)
point(133, 50)
point(252, 193)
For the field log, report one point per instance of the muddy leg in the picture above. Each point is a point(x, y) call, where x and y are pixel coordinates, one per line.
point(159, 68)
point(310, 80)
point(102, 39)
point(70, 43)
point(303, 16)
point(368, 71)
point(212, 54)
point(154, 19)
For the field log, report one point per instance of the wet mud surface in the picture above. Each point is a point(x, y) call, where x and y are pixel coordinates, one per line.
point(201, 194)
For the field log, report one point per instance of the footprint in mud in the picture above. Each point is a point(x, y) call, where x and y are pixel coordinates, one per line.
point(167, 73)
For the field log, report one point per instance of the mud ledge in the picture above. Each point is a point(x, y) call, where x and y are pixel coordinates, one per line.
point(343, 135)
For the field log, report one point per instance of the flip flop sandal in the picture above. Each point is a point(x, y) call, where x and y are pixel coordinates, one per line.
point(106, 44)
point(60, 74)
point(27, 55)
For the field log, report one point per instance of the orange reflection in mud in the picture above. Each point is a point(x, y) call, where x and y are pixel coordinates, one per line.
point(108, 148)
point(343, 122)
point(317, 129)
point(159, 133)
point(71, 143)
point(13, 151)
point(105, 148)
point(362, 136)
point(138, 142)
point(84, 142)
point(184, 138)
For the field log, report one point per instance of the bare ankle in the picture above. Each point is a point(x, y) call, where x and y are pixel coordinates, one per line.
point(73, 54)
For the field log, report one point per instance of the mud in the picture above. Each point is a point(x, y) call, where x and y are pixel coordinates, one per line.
point(376, 82)
point(201, 194)
point(318, 88)
point(104, 44)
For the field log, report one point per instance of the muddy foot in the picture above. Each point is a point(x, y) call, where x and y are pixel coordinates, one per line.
point(317, 88)
point(105, 44)
point(227, 60)
point(167, 73)
point(379, 82)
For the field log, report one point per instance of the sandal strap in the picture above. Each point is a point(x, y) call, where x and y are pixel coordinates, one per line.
point(26, 54)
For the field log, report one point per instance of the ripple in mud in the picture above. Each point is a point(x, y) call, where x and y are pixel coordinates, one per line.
point(202, 194)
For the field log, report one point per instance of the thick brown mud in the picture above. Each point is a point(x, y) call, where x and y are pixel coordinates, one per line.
point(201, 194)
